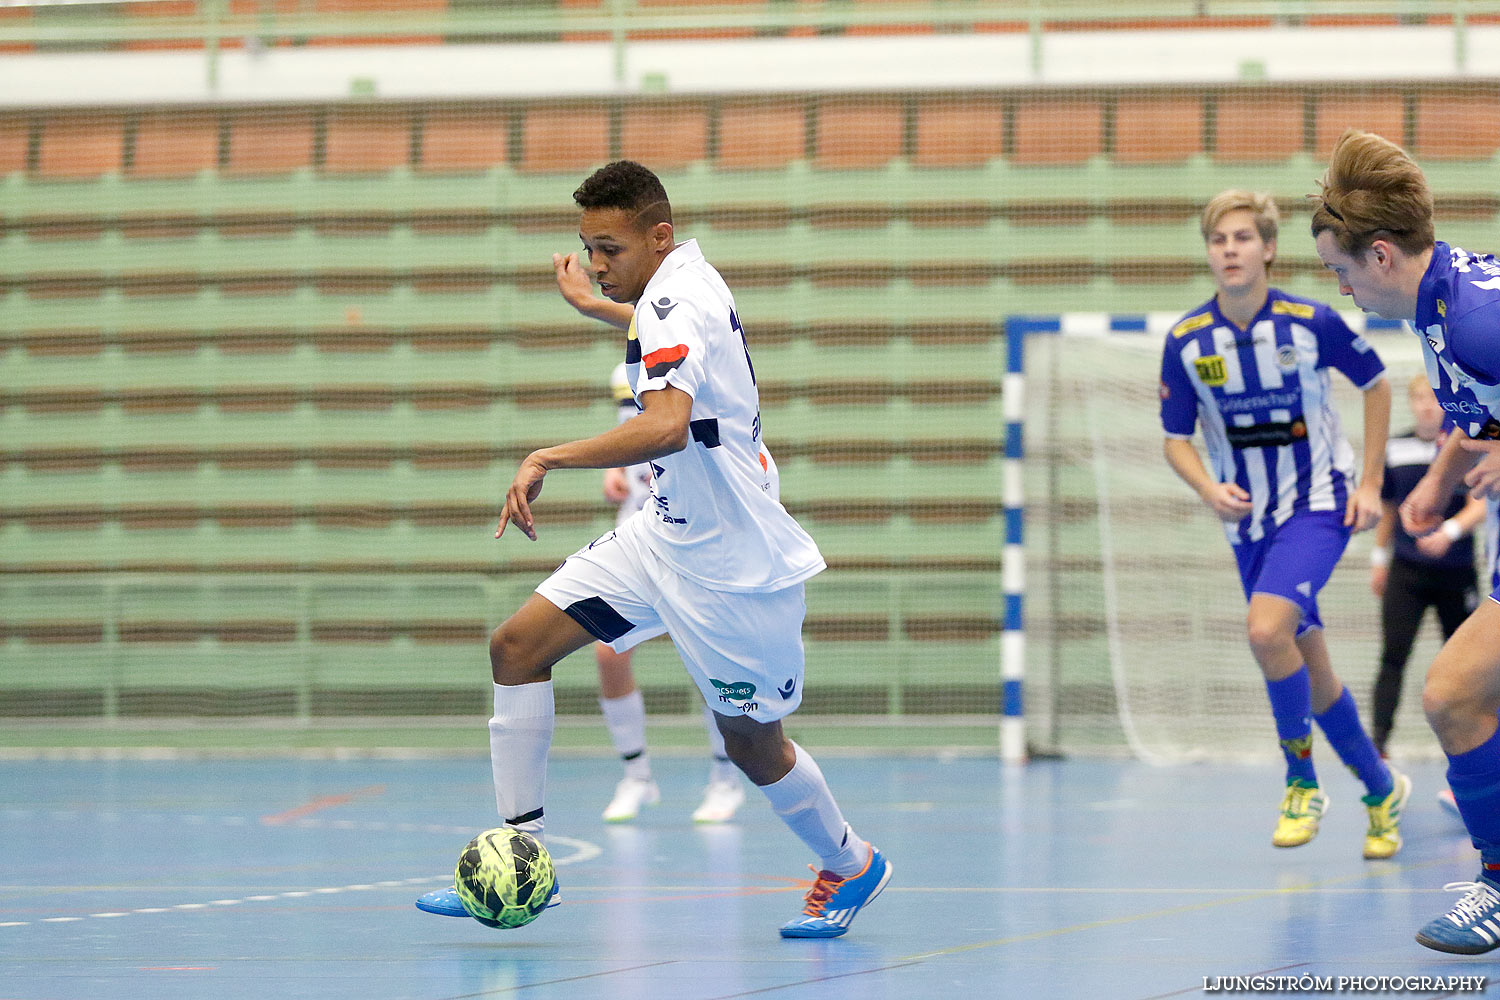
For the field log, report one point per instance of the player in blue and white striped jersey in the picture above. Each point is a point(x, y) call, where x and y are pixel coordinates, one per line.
point(1374, 229)
point(1251, 366)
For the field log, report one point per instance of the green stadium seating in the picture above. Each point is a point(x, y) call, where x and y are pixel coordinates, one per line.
point(260, 408)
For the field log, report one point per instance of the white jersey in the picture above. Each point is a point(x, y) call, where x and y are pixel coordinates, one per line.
point(637, 477)
point(714, 509)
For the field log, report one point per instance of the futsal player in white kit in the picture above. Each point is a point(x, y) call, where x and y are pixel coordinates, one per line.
point(713, 560)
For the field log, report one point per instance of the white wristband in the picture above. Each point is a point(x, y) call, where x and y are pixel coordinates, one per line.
point(1380, 558)
point(1453, 530)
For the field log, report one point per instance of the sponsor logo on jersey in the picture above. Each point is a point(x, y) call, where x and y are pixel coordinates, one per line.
point(1192, 323)
point(1211, 370)
point(658, 363)
point(663, 307)
point(1269, 435)
point(1286, 357)
point(1301, 310)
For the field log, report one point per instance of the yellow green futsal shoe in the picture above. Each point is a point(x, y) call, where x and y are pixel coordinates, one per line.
point(1301, 811)
point(1383, 839)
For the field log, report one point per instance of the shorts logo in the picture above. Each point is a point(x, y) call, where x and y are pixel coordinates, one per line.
point(1286, 358)
point(1211, 370)
point(786, 689)
point(737, 691)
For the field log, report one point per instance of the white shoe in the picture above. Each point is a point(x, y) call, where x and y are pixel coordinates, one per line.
point(720, 800)
point(630, 795)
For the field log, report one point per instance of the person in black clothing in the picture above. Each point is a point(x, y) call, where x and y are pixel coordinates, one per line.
point(1408, 574)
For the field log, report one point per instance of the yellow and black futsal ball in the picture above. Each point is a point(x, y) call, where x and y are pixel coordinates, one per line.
point(504, 877)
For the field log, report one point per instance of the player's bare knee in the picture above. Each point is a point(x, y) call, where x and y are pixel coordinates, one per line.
point(513, 659)
point(1451, 708)
point(761, 751)
point(1268, 635)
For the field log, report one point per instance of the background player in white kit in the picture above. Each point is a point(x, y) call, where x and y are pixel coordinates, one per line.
point(713, 560)
point(620, 699)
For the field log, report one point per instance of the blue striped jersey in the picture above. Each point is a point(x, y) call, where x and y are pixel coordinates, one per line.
point(1263, 397)
point(1458, 319)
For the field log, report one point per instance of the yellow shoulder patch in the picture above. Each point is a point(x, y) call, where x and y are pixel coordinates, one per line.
point(1301, 310)
point(630, 332)
point(1192, 323)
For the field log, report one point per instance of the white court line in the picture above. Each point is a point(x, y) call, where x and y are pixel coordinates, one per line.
point(580, 850)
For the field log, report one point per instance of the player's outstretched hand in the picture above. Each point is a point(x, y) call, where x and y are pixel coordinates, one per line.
point(1484, 479)
point(1422, 510)
point(1229, 501)
point(1362, 512)
point(524, 489)
point(573, 282)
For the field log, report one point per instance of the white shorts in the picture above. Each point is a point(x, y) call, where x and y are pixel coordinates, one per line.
point(744, 651)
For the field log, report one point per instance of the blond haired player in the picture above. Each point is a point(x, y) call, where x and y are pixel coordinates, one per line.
point(1251, 365)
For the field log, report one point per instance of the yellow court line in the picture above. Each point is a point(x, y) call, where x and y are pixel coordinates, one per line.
point(1171, 911)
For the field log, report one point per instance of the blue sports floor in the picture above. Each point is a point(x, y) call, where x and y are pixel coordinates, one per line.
point(234, 879)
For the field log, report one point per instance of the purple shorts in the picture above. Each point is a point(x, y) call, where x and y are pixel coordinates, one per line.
point(1295, 561)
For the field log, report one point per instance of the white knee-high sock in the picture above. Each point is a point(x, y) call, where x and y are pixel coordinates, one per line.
point(520, 736)
point(722, 769)
point(625, 718)
point(802, 800)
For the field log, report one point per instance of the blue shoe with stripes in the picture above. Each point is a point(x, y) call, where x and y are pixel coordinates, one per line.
point(830, 905)
point(1472, 927)
point(445, 902)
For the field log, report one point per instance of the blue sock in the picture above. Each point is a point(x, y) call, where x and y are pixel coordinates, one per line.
point(1340, 725)
point(1291, 704)
point(1474, 777)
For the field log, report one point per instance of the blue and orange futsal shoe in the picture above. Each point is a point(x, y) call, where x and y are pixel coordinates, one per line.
point(445, 902)
point(830, 905)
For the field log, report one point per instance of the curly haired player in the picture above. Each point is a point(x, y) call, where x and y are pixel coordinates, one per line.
point(713, 560)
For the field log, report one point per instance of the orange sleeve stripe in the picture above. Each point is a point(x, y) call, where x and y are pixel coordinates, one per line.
point(665, 356)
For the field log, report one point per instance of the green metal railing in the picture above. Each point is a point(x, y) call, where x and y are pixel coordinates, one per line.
point(76, 24)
